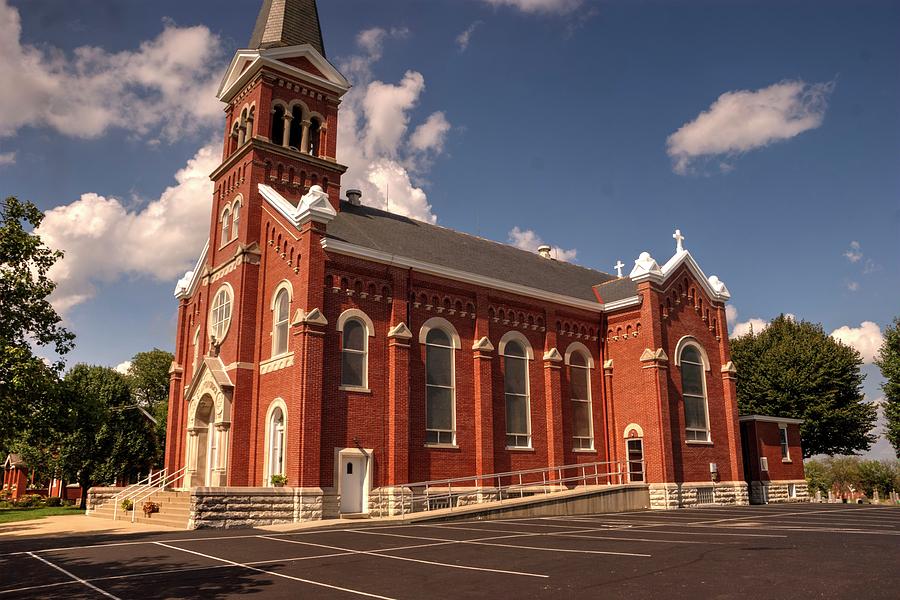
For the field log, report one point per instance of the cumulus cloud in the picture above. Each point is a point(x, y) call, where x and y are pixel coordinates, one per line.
point(866, 339)
point(854, 252)
point(731, 314)
point(527, 239)
point(123, 367)
point(560, 7)
point(755, 324)
point(104, 240)
point(7, 158)
point(463, 39)
point(853, 286)
point(386, 161)
point(744, 120)
point(164, 88)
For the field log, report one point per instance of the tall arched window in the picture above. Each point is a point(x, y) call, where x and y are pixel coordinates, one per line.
point(235, 219)
point(354, 350)
point(315, 132)
point(295, 139)
point(518, 409)
point(440, 393)
point(220, 315)
point(226, 226)
point(580, 394)
point(276, 444)
point(693, 389)
point(277, 136)
point(280, 318)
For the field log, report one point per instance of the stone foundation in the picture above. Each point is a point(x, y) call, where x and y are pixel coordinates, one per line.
point(100, 495)
point(667, 496)
point(227, 508)
point(777, 492)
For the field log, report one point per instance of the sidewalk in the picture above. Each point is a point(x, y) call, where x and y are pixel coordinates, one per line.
point(66, 525)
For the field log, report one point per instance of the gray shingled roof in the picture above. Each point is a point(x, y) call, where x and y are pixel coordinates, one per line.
point(616, 289)
point(288, 23)
point(379, 230)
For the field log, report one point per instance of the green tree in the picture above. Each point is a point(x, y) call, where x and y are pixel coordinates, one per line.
point(793, 369)
point(26, 318)
point(148, 378)
point(876, 475)
point(888, 361)
point(817, 476)
point(843, 473)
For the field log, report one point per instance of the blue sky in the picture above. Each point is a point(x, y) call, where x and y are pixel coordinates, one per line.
point(554, 119)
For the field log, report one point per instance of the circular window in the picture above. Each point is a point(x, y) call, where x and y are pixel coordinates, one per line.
point(220, 315)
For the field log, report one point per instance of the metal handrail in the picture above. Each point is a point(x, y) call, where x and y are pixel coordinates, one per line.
point(522, 481)
point(166, 481)
point(134, 487)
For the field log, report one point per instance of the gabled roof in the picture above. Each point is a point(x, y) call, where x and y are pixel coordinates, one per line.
point(386, 235)
point(288, 23)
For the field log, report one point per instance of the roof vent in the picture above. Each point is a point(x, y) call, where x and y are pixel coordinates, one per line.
point(354, 197)
point(544, 251)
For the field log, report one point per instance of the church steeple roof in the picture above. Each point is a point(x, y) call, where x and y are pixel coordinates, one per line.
point(288, 23)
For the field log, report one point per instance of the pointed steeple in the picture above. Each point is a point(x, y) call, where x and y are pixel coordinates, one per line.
point(288, 23)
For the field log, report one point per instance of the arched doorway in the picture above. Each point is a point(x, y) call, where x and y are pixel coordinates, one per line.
point(206, 442)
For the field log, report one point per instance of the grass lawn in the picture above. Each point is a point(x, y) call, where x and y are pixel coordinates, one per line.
point(10, 515)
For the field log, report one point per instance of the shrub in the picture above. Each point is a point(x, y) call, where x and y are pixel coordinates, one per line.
point(150, 508)
point(30, 501)
point(279, 480)
point(54, 502)
point(127, 504)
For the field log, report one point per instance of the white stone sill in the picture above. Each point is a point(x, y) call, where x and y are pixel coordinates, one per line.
point(520, 449)
point(443, 446)
point(584, 450)
point(355, 389)
point(698, 443)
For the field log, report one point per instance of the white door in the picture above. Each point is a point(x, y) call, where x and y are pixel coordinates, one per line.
point(353, 477)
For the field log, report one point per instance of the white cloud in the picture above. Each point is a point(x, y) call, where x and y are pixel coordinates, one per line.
point(527, 239)
point(756, 325)
point(166, 87)
point(853, 286)
point(463, 39)
point(7, 158)
point(386, 162)
point(123, 367)
point(539, 6)
point(745, 120)
point(104, 240)
point(866, 338)
point(854, 253)
point(731, 314)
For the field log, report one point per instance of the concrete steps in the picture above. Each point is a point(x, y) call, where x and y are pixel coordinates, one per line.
point(174, 510)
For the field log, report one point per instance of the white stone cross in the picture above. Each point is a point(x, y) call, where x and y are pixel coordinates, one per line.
point(679, 240)
point(619, 266)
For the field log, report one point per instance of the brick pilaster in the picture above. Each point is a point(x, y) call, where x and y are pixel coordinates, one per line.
point(398, 403)
point(483, 351)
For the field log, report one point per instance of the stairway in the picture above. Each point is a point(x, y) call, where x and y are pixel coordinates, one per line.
point(174, 510)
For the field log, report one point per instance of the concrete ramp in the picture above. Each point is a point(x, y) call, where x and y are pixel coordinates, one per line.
point(585, 500)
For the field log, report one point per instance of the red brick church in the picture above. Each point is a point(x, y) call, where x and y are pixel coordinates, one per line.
point(353, 350)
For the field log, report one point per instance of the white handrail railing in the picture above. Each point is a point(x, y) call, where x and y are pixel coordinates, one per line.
point(440, 493)
point(165, 482)
point(149, 480)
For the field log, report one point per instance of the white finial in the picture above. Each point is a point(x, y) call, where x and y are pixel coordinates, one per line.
point(619, 266)
point(679, 241)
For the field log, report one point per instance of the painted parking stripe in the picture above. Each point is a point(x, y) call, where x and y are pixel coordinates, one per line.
point(514, 546)
point(73, 577)
point(275, 573)
point(582, 534)
point(379, 554)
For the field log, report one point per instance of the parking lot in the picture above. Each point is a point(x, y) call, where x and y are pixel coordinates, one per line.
point(776, 551)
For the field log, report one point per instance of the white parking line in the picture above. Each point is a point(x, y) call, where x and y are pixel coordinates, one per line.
point(78, 579)
point(514, 546)
point(275, 573)
point(379, 554)
point(581, 534)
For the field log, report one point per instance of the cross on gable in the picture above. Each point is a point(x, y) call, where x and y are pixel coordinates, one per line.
point(619, 266)
point(679, 240)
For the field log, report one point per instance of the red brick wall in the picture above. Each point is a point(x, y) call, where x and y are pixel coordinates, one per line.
point(763, 440)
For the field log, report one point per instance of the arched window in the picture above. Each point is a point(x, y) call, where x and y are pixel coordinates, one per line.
point(296, 133)
point(693, 389)
point(235, 219)
point(277, 134)
point(226, 226)
point(315, 132)
point(220, 315)
point(440, 393)
point(580, 394)
point(518, 409)
point(276, 444)
point(280, 318)
point(354, 350)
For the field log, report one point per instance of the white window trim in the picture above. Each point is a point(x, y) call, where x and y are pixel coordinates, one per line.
point(226, 287)
point(579, 348)
point(267, 467)
point(529, 356)
point(628, 462)
point(353, 314)
point(238, 204)
point(440, 323)
point(787, 443)
point(284, 285)
point(226, 213)
point(683, 343)
point(454, 345)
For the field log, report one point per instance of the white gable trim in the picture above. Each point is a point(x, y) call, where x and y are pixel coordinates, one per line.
point(713, 286)
point(246, 63)
point(314, 206)
point(187, 285)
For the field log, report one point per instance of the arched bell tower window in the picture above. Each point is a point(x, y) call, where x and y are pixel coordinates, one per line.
point(226, 226)
point(296, 137)
point(277, 125)
point(235, 219)
point(315, 133)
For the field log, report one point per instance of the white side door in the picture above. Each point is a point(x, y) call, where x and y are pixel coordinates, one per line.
point(353, 476)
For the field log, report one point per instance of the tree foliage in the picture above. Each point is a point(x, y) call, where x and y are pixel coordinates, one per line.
point(846, 474)
point(889, 362)
point(26, 318)
point(793, 369)
point(148, 378)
